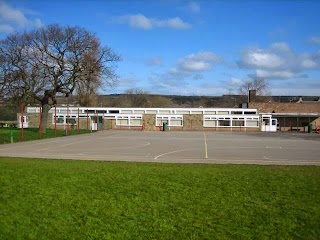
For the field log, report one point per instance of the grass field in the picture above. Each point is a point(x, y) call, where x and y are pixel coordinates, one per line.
point(32, 134)
point(54, 199)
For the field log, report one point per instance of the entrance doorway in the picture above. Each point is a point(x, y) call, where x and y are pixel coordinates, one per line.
point(268, 124)
point(96, 123)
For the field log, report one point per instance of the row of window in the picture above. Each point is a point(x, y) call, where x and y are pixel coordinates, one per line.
point(231, 123)
point(174, 121)
point(167, 111)
point(73, 110)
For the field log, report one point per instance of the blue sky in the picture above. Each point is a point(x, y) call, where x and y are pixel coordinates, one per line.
point(192, 47)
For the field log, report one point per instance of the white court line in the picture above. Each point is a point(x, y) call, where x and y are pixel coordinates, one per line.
point(43, 141)
point(144, 145)
point(84, 137)
point(268, 147)
point(181, 150)
point(205, 145)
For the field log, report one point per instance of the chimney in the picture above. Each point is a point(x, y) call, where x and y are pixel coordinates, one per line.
point(252, 95)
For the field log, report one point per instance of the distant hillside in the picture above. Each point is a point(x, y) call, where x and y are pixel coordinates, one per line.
point(155, 100)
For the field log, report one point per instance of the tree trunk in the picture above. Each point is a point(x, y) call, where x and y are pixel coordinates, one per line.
point(44, 114)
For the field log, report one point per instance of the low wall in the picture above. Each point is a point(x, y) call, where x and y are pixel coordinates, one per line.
point(232, 129)
point(109, 124)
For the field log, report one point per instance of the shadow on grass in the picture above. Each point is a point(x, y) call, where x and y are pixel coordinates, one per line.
point(13, 135)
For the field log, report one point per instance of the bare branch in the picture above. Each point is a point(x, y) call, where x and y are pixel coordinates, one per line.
point(39, 64)
point(260, 85)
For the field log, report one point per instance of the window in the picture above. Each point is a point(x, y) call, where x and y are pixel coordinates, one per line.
point(135, 122)
point(89, 111)
point(236, 112)
point(266, 121)
point(151, 111)
point(139, 111)
point(238, 123)
point(196, 112)
point(60, 119)
point(183, 112)
point(223, 112)
point(164, 111)
point(123, 122)
point(171, 120)
point(126, 111)
point(210, 123)
point(114, 111)
point(224, 123)
point(176, 122)
point(161, 121)
point(252, 123)
point(210, 112)
point(71, 120)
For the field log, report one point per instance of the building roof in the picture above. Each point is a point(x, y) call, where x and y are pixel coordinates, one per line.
point(297, 108)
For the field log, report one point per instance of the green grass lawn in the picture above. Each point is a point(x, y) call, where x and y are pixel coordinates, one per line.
point(55, 199)
point(32, 134)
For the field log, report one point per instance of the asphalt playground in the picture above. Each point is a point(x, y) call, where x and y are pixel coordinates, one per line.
point(176, 147)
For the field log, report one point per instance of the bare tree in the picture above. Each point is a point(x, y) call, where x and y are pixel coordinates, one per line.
point(260, 85)
point(160, 101)
point(39, 64)
point(136, 98)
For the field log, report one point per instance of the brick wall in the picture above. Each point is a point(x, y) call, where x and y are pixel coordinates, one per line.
point(150, 122)
point(34, 120)
point(83, 123)
point(109, 124)
point(192, 122)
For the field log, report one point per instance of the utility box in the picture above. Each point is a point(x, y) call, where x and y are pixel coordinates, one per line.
point(165, 127)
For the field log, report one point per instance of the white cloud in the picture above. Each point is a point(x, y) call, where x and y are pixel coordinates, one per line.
point(278, 62)
point(261, 59)
point(308, 63)
point(280, 46)
point(8, 14)
point(185, 88)
point(176, 23)
point(235, 81)
point(38, 23)
point(315, 40)
point(201, 61)
point(142, 22)
point(190, 68)
point(139, 21)
point(275, 74)
point(12, 19)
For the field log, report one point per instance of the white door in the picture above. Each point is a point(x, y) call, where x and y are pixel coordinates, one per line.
point(273, 126)
point(94, 124)
point(265, 127)
point(23, 122)
point(268, 124)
